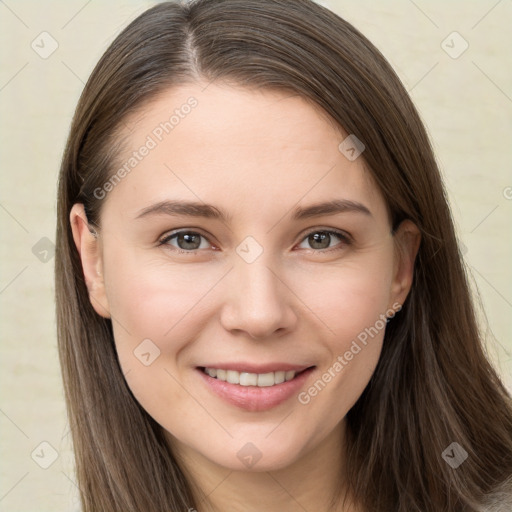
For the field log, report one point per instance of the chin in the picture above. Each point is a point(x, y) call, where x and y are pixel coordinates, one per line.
point(257, 456)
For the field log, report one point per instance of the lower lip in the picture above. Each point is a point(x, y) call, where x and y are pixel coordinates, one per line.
point(254, 398)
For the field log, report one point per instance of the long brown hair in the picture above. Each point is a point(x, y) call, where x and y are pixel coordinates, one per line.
point(433, 384)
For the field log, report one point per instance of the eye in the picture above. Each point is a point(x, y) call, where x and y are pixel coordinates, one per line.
point(321, 240)
point(186, 241)
point(190, 241)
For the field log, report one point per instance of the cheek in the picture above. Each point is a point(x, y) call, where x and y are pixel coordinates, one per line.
point(158, 301)
point(169, 305)
point(154, 299)
point(348, 299)
point(155, 314)
point(352, 306)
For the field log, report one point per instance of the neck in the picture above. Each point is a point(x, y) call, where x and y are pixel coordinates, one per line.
point(313, 482)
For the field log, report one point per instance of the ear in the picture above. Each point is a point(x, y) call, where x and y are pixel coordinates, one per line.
point(88, 244)
point(407, 242)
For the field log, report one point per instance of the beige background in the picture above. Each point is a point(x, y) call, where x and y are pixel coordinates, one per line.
point(466, 103)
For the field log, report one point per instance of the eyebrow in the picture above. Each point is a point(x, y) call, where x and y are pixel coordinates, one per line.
point(197, 209)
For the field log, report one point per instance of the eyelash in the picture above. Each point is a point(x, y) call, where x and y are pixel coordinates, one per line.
point(345, 240)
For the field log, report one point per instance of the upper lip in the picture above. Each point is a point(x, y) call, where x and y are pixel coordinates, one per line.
point(258, 368)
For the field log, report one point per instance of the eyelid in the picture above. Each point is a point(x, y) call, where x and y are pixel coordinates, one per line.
point(343, 235)
point(346, 239)
point(163, 239)
point(339, 232)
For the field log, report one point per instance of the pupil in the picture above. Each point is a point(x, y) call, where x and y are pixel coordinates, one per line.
point(187, 238)
point(319, 238)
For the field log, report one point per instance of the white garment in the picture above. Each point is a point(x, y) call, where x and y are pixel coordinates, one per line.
point(501, 499)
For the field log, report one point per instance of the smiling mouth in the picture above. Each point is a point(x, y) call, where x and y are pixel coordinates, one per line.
point(261, 380)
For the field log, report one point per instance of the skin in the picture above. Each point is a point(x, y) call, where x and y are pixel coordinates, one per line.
point(257, 155)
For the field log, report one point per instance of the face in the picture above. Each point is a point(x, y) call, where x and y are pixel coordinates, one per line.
point(248, 323)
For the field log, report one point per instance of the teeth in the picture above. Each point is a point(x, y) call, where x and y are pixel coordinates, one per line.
point(248, 379)
point(251, 379)
point(280, 377)
point(233, 377)
point(266, 379)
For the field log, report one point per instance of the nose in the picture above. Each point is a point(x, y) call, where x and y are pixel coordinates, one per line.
point(259, 301)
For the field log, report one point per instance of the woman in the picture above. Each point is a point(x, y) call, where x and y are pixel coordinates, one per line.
point(261, 302)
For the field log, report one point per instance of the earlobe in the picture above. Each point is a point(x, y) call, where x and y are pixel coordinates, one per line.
point(88, 244)
point(407, 243)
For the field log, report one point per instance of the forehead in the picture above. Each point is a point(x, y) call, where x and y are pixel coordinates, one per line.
point(220, 143)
